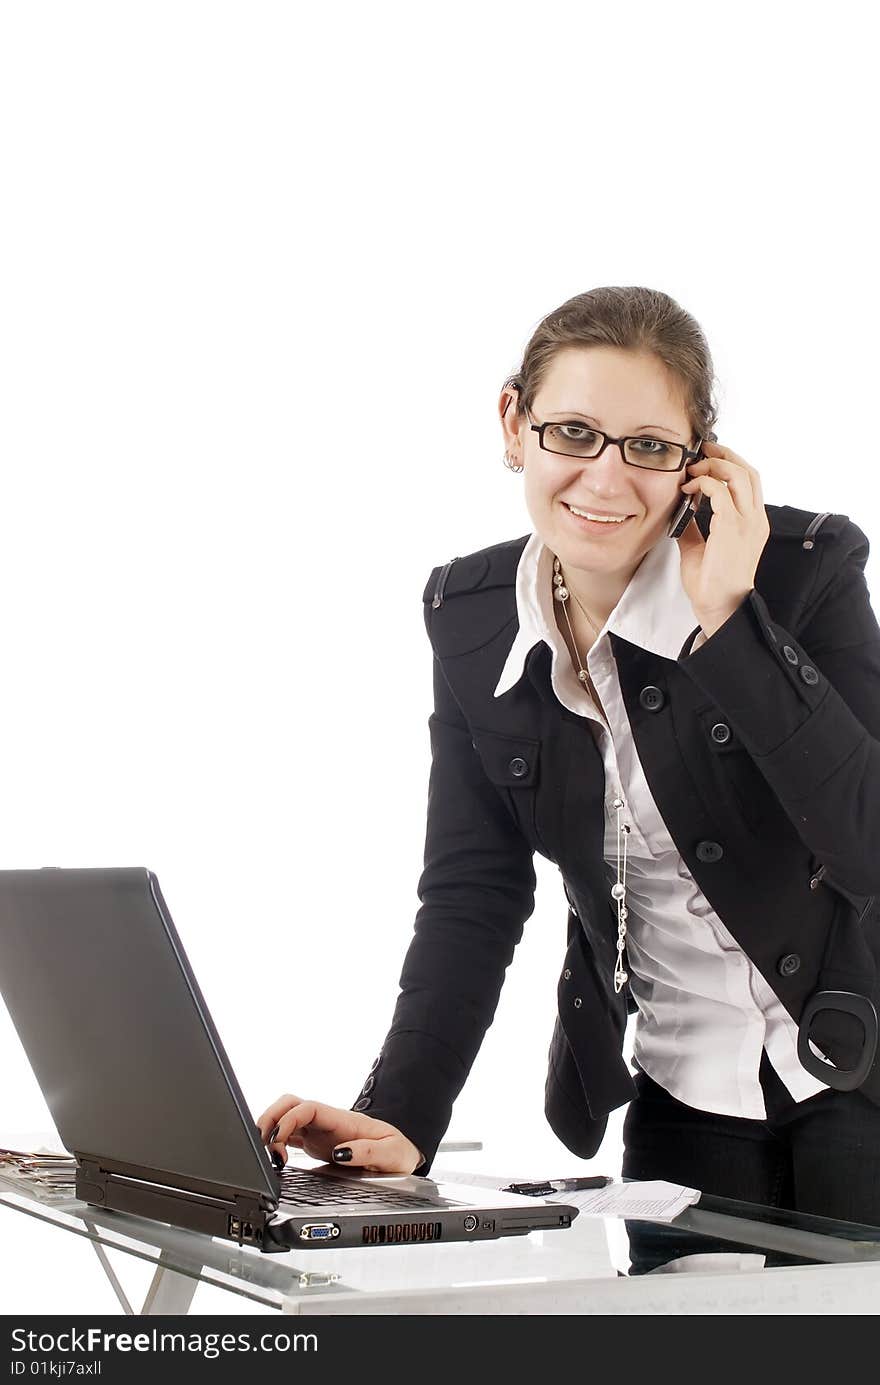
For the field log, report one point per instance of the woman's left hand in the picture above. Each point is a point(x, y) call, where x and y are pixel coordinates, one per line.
point(718, 572)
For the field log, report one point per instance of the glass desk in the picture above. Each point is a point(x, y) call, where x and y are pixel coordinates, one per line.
point(574, 1271)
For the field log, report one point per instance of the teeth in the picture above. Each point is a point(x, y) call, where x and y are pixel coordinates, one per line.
point(602, 519)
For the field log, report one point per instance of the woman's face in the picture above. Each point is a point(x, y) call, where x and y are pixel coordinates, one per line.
point(625, 394)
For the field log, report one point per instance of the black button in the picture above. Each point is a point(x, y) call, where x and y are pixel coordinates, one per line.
point(721, 732)
point(709, 851)
point(790, 654)
point(809, 674)
point(566, 974)
point(368, 1085)
point(362, 1105)
point(651, 698)
point(789, 964)
point(375, 1063)
point(577, 1002)
point(518, 767)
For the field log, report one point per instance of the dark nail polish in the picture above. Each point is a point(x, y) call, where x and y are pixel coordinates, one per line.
point(273, 1135)
point(342, 1155)
point(277, 1161)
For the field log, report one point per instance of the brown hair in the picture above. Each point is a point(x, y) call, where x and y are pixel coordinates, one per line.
point(635, 319)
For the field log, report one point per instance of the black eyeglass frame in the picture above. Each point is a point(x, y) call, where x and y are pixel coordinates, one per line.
point(687, 453)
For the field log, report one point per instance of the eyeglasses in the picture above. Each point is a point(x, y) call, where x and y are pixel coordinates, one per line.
point(573, 439)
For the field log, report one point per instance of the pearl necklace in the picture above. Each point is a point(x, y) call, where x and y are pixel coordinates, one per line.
point(618, 890)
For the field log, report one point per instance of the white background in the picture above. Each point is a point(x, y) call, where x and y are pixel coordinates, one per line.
point(265, 268)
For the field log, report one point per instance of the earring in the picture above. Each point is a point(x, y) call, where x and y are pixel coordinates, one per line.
point(512, 466)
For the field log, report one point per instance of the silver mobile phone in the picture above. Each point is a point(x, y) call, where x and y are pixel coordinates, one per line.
point(681, 517)
point(686, 508)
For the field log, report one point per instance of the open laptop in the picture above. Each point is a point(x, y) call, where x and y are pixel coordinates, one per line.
point(142, 1093)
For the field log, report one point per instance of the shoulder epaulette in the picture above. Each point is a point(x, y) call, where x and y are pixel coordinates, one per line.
point(487, 567)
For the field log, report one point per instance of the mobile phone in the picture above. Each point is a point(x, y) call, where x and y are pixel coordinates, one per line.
point(681, 517)
point(686, 508)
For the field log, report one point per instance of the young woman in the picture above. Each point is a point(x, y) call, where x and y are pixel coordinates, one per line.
point(684, 717)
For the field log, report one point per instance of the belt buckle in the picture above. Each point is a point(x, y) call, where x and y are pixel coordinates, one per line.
point(841, 1079)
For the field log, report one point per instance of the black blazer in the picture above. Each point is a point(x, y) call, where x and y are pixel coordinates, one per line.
point(778, 822)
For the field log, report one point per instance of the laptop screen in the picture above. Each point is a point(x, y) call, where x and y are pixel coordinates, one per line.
point(118, 1034)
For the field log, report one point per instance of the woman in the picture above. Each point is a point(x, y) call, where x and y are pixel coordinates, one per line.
point(684, 718)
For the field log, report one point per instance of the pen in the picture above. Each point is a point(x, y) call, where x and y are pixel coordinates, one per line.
point(558, 1185)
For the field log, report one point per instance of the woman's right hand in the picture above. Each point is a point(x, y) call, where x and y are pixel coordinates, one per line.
point(319, 1130)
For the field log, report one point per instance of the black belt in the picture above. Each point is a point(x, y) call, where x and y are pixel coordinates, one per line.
point(841, 1079)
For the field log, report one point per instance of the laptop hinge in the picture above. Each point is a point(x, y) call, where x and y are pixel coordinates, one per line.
point(240, 1217)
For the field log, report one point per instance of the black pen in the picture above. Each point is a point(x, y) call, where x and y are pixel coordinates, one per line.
point(558, 1185)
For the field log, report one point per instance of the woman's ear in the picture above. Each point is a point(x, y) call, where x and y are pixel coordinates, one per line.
point(509, 421)
point(510, 391)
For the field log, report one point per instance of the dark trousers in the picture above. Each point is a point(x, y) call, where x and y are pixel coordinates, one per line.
point(821, 1155)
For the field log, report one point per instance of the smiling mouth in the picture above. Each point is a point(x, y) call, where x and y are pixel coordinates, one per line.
point(610, 522)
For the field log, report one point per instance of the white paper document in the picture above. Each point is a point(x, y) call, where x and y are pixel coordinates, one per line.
point(656, 1200)
point(38, 1161)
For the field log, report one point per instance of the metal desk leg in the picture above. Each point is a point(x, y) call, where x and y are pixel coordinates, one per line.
point(110, 1273)
point(170, 1292)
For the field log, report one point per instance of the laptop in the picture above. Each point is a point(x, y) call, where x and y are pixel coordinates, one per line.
point(106, 1005)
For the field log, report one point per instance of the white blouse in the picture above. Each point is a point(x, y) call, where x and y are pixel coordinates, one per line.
point(705, 1012)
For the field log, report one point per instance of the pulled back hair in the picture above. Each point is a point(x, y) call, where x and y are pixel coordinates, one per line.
point(634, 319)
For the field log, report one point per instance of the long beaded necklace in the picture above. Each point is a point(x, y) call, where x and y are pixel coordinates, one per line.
point(618, 890)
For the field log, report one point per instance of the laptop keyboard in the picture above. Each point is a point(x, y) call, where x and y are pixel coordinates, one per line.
point(307, 1189)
